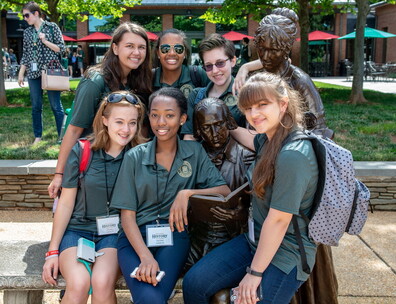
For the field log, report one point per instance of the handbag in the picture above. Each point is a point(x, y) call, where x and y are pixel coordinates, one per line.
point(55, 78)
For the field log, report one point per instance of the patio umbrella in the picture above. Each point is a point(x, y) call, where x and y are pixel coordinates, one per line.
point(369, 33)
point(95, 37)
point(151, 36)
point(235, 36)
point(68, 39)
point(319, 35)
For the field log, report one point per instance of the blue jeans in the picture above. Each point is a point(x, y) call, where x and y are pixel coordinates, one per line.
point(171, 259)
point(36, 97)
point(225, 266)
point(70, 239)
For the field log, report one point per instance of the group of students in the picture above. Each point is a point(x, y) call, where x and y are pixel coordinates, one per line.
point(146, 184)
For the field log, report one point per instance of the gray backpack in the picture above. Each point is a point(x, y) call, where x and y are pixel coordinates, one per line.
point(341, 201)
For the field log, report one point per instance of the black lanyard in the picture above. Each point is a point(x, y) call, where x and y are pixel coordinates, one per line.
point(166, 186)
point(112, 188)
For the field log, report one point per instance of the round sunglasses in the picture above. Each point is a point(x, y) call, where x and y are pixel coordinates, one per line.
point(117, 97)
point(178, 48)
point(27, 15)
point(219, 64)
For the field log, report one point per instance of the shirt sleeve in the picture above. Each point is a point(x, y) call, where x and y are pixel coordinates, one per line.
point(125, 192)
point(187, 128)
point(292, 176)
point(24, 60)
point(57, 38)
point(71, 172)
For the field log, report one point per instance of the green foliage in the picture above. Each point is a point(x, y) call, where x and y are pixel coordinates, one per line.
point(188, 24)
point(150, 23)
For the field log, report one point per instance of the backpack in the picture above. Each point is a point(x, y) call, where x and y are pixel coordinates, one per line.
point(195, 76)
point(341, 201)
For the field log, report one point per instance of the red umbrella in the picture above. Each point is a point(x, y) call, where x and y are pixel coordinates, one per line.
point(235, 36)
point(96, 37)
point(68, 39)
point(151, 36)
point(319, 35)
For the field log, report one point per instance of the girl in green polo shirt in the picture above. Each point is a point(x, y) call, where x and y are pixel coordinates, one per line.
point(84, 205)
point(283, 180)
point(152, 190)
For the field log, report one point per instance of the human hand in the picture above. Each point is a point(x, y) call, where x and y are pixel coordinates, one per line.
point(50, 271)
point(20, 81)
point(147, 271)
point(247, 290)
point(178, 211)
point(239, 80)
point(42, 37)
point(55, 186)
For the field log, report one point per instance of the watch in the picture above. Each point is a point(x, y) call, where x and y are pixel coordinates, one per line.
point(253, 272)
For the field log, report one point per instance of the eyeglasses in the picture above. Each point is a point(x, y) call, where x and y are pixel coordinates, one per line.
point(117, 97)
point(27, 15)
point(178, 48)
point(219, 64)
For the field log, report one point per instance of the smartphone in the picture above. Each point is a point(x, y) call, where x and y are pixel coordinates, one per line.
point(234, 294)
point(160, 274)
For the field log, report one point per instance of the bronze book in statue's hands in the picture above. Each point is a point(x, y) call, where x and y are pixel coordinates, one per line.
point(201, 206)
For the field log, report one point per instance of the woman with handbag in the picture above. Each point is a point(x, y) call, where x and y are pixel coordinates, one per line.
point(42, 44)
point(83, 209)
point(126, 65)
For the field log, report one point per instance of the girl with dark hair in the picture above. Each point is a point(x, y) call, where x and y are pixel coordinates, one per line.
point(171, 55)
point(83, 209)
point(126, 65)
point(42, 45)
point(283, 180)
point(152, 190)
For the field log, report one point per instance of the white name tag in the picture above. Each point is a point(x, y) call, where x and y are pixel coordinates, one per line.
point(159, 235)
point(107, 224)
point(251, 229)
point(34, 66)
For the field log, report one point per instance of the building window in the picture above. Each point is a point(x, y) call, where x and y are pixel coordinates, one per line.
point(188, 23)
point(150, 23)
point(241, 24)
point(107, 24)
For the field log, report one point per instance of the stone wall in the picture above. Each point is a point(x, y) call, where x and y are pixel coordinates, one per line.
point(23, 184)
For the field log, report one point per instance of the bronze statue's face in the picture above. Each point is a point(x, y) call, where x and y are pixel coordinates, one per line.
point(213, 127)
point(270, 57)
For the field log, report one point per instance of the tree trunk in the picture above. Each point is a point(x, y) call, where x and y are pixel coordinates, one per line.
point(3, 97)
point(357, 96)
point(304, 30)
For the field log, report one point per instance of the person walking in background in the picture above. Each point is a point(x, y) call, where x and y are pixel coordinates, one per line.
point(246, 52)
point(80, 59)
point(42, 44)
point(83, 209)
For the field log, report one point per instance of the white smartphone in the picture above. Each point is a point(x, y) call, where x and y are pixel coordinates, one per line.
point(160, 274)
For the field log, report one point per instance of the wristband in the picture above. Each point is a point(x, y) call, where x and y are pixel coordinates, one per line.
point(51, 252)
point(60, 173)
point(51, 256)
point(253, 272)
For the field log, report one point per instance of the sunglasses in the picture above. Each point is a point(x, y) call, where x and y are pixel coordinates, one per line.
point(27, 15)
point(219, 64)
point(178, 48)
point(117, 97)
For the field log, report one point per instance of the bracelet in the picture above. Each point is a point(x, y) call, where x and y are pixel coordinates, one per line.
point(51, 256)
point(253, 272)
point(51, 252)
point(60, 173)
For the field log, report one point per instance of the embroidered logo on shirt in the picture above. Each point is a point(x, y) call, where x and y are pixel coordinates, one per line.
point(186, 89)
point(230, 100)
point(185, 170)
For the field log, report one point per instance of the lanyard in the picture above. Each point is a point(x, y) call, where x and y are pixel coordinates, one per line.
point(112, 188)
point(166, 186)
point(35, 39)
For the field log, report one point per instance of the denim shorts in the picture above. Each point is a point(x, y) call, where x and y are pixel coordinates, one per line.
point(70, 239)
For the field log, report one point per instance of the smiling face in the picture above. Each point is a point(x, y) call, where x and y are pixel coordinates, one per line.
point(265, 115)
point(165, 118)
point(172, 60)
point(270, 57)
point(131, 52)
point(121, 125)
point(219, 76)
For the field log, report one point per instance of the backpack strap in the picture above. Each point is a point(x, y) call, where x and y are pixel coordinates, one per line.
point(301, 248)
point(195, 76)
point(85, 161)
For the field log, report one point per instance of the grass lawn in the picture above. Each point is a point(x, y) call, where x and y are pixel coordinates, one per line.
point(368, 130)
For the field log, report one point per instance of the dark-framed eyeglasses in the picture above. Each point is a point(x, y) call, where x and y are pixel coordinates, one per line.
point(117, 97)
point(27, 15)
point(178, 48)
point(219, 64)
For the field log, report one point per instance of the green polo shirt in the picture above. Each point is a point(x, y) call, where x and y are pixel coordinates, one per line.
point(95, 187)
point(184, 83)
point(149, 189)
point(296, 176)
point(230, 100)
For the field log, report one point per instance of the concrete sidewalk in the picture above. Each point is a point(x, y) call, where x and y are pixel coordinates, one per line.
point(365, 264)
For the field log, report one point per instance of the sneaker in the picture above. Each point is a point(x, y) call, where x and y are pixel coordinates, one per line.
point(36, 140)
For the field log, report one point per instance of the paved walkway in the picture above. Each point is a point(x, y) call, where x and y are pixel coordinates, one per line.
point(365, 264)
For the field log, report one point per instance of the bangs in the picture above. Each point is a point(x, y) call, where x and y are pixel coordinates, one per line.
point(254, 92)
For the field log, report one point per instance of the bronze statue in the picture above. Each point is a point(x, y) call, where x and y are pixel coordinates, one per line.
point(274, 39)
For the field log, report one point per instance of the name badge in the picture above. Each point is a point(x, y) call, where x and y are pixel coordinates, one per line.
point(107, 224)
point(34, 66)
point(251, 229)
point(159, 235)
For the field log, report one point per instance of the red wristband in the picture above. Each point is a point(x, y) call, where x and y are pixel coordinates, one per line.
point(52, 252)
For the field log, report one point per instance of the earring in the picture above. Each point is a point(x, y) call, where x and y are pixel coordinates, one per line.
point(181, 123)
point(291, 118)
